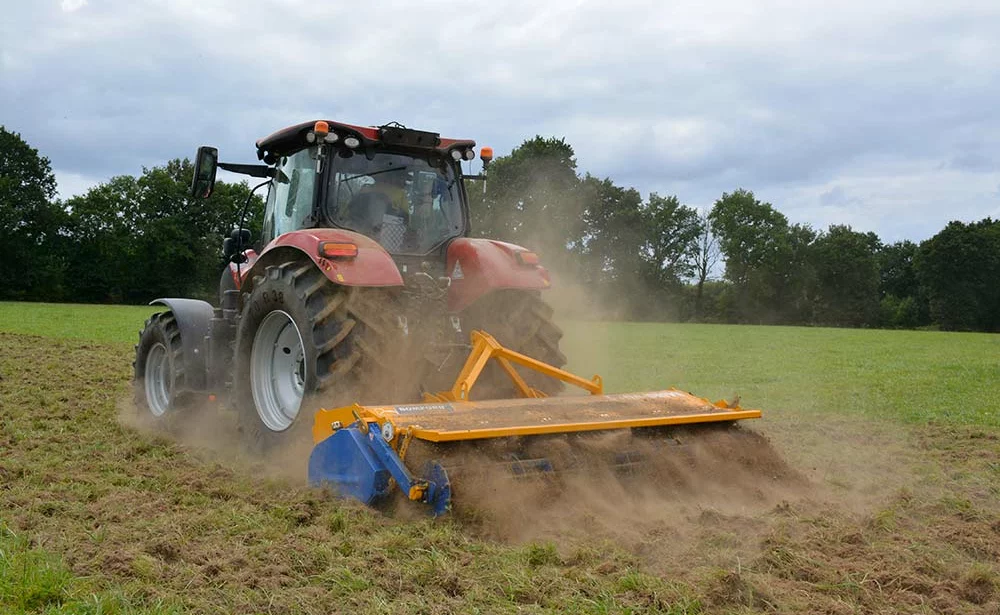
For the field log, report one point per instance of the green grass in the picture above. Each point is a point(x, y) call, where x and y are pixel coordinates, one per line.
point(98, 323)
point(35, 581)
point(909, 376)
point(145, 523)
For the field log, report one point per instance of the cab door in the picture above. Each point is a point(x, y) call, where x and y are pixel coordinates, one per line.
point(291, 197)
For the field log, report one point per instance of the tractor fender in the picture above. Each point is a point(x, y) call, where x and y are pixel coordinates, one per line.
point(193, 319)
point(373, 266)
point(479, 266)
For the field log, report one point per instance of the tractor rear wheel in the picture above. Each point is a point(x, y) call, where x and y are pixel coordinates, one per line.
point(159, 371)
point(303, 341)
point(522, 321)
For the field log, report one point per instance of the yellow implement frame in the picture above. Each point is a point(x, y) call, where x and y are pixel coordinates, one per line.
point(451, 416)
point(484, 348)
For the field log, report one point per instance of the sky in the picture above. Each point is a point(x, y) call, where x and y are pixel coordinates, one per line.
point(880, 115)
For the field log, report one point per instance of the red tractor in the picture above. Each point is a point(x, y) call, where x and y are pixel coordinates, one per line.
point(365, 285)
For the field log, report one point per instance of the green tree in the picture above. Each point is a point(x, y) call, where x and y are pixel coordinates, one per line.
point(846, 277)
point(143, 237)
point(903, 301)
point(706, 257)
point(30, 223)
point(103, 226)
point(749, 233)
point(613, 235)
point(797, 275)
point(897, 273)
point(532, 198)
point(959, 267)
point(766, 258)
point(672, 233)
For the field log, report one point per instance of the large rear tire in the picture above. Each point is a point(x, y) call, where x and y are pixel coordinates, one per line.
point(158, 382)
point(304, 342)
point(522, 321)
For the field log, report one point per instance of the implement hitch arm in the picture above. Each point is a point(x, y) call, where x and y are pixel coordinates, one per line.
point(484, 348)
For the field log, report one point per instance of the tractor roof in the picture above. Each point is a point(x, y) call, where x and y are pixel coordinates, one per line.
point(293, 138)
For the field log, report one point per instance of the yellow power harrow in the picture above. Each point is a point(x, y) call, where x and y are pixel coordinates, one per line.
point(361, 450)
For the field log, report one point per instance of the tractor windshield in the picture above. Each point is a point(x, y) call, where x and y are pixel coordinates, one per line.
point(407, 204)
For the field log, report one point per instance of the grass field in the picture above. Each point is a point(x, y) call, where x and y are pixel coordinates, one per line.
point(898, 434)
point(911, 376)
point(96, 323)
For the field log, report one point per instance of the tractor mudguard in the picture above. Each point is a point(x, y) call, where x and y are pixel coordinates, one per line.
point(371, 267)
point(479, 266)
point(193, 319)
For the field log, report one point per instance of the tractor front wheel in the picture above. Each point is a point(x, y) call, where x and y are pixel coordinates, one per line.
point(159, 371)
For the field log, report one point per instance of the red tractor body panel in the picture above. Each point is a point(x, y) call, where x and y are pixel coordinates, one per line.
point(291, 138)
point(371, 267)
point(479, 266)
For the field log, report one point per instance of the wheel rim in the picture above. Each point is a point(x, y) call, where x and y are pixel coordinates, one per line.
point(157, 380)
point(277, 371)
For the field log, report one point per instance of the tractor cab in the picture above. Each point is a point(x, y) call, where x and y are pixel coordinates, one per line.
point(370, 206)
point(398, 186)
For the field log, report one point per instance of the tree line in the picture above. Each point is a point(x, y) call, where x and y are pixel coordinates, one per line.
point(127, 240)
point(134, 238)
point(740, 261)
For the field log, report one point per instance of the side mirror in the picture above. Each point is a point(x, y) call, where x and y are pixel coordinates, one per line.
point(206, 163)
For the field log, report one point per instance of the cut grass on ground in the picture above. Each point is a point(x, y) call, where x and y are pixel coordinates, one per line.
point(32, 580)
point(90, 507)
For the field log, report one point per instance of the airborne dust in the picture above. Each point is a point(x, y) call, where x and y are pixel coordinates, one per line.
point(695, 495)
point(691, 495)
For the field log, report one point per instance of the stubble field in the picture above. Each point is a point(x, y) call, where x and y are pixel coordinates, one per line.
point(893, 438)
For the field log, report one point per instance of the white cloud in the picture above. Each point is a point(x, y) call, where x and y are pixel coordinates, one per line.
point(70, 6)
point(891, 104)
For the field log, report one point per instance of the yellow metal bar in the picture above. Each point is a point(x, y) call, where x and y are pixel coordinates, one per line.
point(522, 386)
point(328, 421)
point(478, 358)
point(592, 386)
point(440, 435)
point(486, 347)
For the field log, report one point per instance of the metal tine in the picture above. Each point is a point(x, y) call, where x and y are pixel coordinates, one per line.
point(525, 468)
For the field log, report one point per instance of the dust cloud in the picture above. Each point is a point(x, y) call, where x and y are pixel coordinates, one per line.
point(210, 430)
point(621, 487)
point(673, 497)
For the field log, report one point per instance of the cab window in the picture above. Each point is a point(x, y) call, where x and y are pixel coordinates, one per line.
point(290, 197)
point(408, 204)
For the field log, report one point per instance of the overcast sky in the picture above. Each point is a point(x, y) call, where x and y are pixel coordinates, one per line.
point(881, 115)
